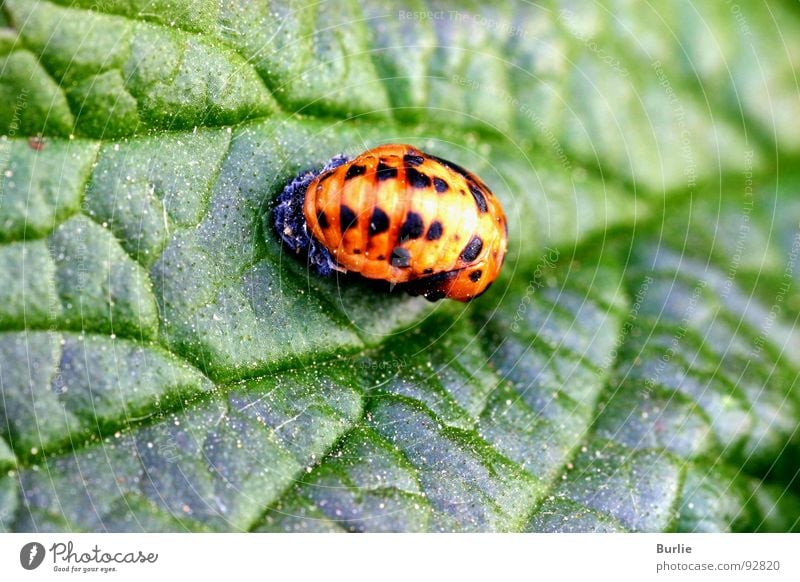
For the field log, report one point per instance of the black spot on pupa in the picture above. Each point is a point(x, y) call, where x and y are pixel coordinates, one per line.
point(347, 218)
point(358, 252)
point(435, 231)
point(401, 258)
point(440, 185)
point(472, 250)
point(417, 179)
point(378, 222)
point(432, 287)
point(413, 227)
point(474, 276)
point(322, 219)
point(435, 295)
point(385, 172)
point(354, 170)
point(411, 160)
point(452, 165)
point(480, 199)
point(381, 257)
point(427, 271)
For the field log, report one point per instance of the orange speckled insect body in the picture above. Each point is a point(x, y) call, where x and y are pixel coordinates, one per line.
point(397, 214)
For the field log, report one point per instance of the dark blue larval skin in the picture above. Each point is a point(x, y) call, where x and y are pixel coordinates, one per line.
point(290, 221)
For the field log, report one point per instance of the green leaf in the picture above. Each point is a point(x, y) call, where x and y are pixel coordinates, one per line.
point(42, 188)
point(213, 464)
point(124, 73)
point(165, 365)
point(8, 488)
point(468, 432)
